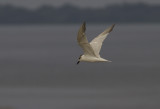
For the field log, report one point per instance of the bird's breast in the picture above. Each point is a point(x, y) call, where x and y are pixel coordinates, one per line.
point(91, 59)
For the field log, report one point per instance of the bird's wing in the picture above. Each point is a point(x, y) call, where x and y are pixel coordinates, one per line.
point(83, 42)
point(96, 43)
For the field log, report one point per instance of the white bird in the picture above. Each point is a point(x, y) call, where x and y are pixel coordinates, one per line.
point(91, 50)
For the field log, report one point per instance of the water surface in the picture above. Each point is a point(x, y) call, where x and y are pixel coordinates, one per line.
point(38, 68)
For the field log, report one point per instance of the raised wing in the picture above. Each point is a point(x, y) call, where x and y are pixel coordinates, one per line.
point(83, 42)
point(96, 43)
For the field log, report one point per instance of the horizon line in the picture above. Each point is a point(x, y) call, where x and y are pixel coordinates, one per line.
point(79, 7)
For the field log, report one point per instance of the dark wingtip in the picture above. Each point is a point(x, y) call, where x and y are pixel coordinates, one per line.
point(84, 22)
point(111, 28)
point(113, 25)
point(84, 26)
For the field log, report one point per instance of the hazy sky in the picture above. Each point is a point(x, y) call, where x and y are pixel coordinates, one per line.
point(81, 3)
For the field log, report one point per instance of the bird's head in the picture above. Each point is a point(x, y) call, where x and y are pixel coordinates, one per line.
point(79, 59)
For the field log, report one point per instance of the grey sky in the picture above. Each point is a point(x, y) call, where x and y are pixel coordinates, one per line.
point(81, 3)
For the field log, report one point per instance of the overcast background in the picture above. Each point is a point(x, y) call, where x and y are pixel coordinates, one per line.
point(81, 3)
point(38, 56)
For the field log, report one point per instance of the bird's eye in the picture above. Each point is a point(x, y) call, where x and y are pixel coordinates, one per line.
point(80, 56)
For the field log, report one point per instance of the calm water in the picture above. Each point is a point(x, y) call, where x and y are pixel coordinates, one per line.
point(38, 68)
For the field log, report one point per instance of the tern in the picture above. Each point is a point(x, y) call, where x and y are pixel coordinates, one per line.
point(91, 50)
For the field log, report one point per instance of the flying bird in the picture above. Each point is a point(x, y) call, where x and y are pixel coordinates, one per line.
point(91, 50)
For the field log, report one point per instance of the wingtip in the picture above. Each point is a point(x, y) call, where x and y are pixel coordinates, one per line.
point(84, 26)
point(111, 28)
point(84, 22)
point(113, 25)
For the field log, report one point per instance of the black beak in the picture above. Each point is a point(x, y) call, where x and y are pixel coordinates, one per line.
point(78, 62)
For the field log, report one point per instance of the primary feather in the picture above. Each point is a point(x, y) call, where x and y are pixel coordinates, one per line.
point(96, 43)
point(83, 42)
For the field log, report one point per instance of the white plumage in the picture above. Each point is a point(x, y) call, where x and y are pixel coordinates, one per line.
point(91, 50)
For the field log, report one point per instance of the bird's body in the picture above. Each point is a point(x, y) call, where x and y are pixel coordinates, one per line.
point(87, 58)
point(92, 49)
